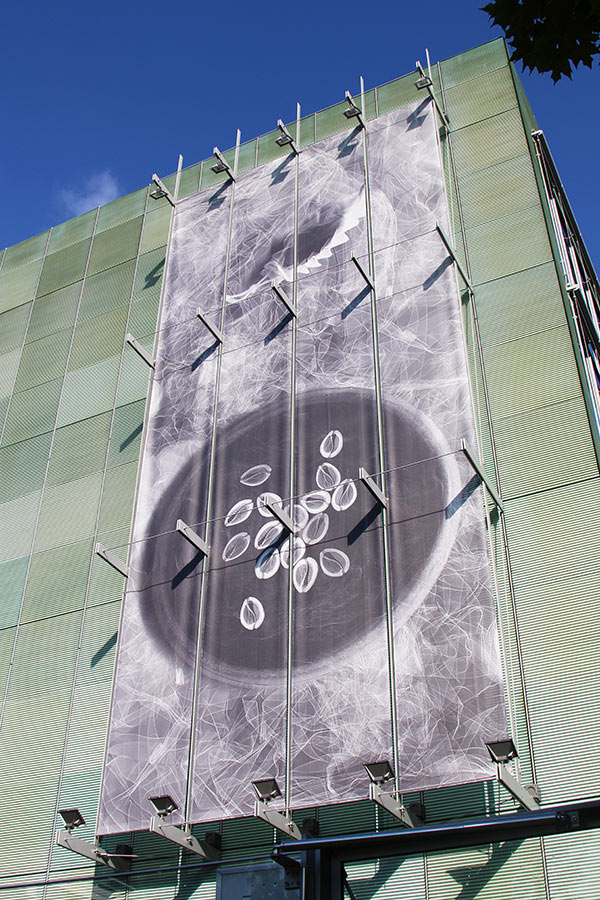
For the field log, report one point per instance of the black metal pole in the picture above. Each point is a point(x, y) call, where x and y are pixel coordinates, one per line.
point(324, 858)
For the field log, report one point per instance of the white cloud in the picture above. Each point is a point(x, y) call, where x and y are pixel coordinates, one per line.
point(98, 189)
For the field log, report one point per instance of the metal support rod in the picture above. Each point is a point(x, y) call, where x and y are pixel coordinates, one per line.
point(372, 486)
point(431, 93)
point(525, 795)
point(141, 351)
point(112, 559)
point(457, 262)
point(482, 474)
point(364, 274)
point(354, 111)
point(285, 139)
point(190, 535)
point(184, 839)
point(280, 514)
point(222, 165)
point(277, 820)
point(287, 302)
point(214, 330)
point(393, 806)
point(161, 190)
point(118, 862)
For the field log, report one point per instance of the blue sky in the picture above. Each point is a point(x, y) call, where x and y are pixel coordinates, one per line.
point(96, 97)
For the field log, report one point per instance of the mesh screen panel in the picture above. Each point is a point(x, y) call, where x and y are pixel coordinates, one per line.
point(43, 360)
point(115, 245)
point(17, 286)
point(79, 449)
point(56, 582)
point(72, 232)
point(22, 466)
point(32, 412)
point(64, 267)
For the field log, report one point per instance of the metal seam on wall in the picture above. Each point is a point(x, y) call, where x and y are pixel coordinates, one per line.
point(509, 575)
point(290, 615)
point(210, 492)
point(381, 455)
point(91, 564)
point(43, 487)
point(37, 284)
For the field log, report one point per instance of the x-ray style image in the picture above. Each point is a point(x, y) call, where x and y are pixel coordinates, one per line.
point(296, 653)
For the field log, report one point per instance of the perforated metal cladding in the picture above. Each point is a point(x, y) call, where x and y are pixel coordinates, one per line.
point(489, 141)
point(18, 285)
point(79, 449)
point(64, 267)
point(115, 245)
point(474, 63)
point(520, 304)
point(109, 290)
point(12, 327)
point(22, 466)
point(498, 190)
point(25, 252)
point(72, 232)
point(43, 360)
point(32, 412)
point(121, 210)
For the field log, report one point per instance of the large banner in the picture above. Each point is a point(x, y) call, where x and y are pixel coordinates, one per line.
point(368, 633)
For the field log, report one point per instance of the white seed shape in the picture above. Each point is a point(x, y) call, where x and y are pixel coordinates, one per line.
point(252, 613)
point(333, 562)
point(262, 499)
point(267, 563)
point(304, 575)
point(236, 546)
point(256, 475)
point(316, 529)
point(300, 516)
point(267, 535)
point(239, 512)
point(331, 444)
point(299, 551)
point(344, 495)
point(327, 477)
point(316, 501)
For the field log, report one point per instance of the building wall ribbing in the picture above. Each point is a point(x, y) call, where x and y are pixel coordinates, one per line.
point(72, 403)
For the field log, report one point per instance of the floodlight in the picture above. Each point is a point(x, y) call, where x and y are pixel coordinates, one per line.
point(119, 861)
point(423, 82)
point(158, 194)
point(284, 139)
point(164, 806)
point(353, 111)
point(72, 818)
point(502, 751)
point(221, 164)
point(266, 789)
point(379, 772)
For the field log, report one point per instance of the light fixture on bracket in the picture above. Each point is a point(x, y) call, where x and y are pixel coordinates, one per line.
point(267, 789)
point(119, 861)
point(221, 164)
point(379, 773)
point(424, 82)
point(353, 111)
point(208, 848)
point(502, 752)
point(285, 139)
point(161, 190)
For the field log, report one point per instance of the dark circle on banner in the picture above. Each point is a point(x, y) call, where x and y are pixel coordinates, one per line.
point(338, 580)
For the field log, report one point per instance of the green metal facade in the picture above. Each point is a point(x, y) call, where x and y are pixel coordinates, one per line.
point(72, 404)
